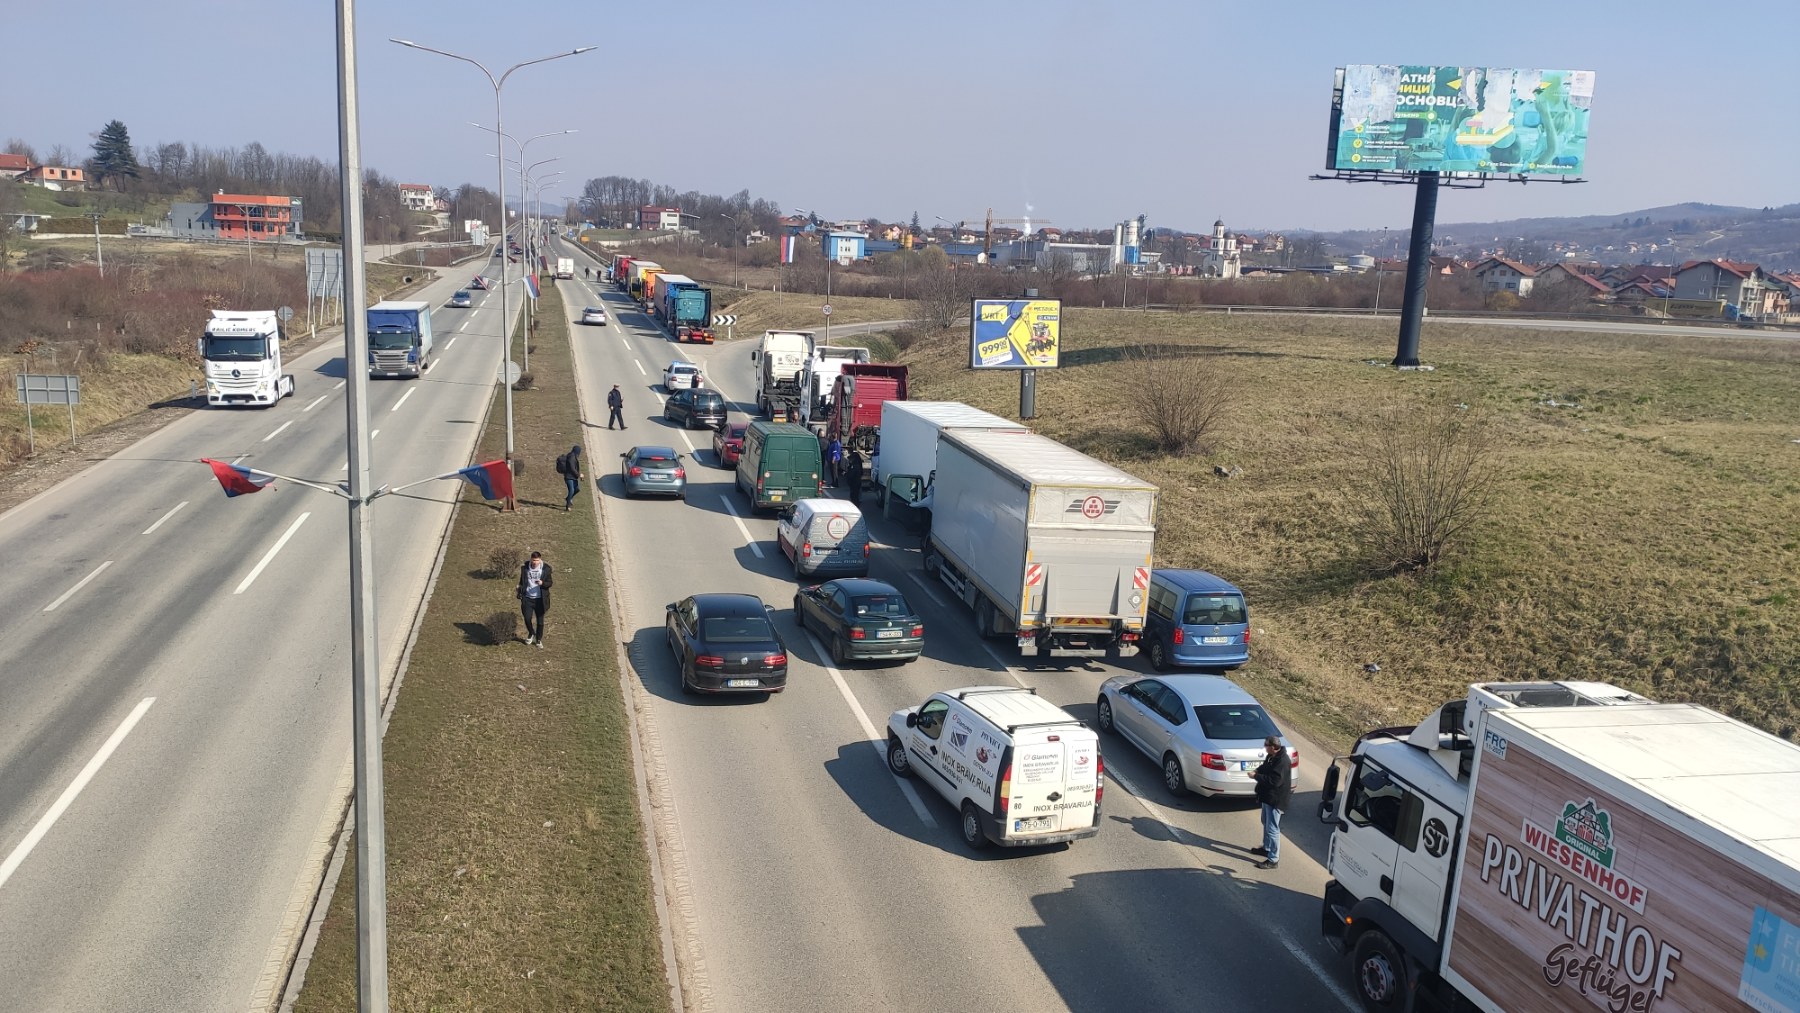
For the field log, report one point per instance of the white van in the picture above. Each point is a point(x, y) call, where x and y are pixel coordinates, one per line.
point(825, 537)
point(1020, 770)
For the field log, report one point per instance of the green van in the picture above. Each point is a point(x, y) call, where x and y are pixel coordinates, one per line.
point(779, 465)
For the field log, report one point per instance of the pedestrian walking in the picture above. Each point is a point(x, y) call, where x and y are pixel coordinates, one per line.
point(1274, 787)
point(834, 460)
point(569, 467)
point(615, 408)
point(854, 472)
point(534, 596)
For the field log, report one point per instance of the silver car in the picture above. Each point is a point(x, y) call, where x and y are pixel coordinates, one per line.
point(1206, 731)
point(593, 315)
point(652, 471)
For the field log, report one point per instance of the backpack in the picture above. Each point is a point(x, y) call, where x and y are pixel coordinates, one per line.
point(562, 464)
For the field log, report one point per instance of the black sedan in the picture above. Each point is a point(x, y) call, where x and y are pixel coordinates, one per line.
point(693, 407)
point(725, 643)
point(861, 620)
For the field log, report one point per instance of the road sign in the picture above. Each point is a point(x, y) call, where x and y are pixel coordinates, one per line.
point(825, 309)
point(284, 314)
point(37, 388)
point(512, 372)
point(724, 319)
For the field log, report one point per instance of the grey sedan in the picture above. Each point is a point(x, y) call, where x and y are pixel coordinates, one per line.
point(1205, 730)
point(653, 471)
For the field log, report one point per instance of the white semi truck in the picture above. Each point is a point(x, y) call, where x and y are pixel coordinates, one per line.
point(241, 353)
point(780, 360)
point(1567, 847)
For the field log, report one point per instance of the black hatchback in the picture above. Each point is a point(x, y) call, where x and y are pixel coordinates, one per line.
point(726, 643)
point(861, 619)
point(702, 408)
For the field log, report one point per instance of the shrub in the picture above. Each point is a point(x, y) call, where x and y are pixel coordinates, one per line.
point(1428, 479)
point(501, 627)
point(1179, 399)
point(504, 562)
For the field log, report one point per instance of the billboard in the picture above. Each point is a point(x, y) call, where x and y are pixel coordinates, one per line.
point(1015, 333)
point(1461, 119)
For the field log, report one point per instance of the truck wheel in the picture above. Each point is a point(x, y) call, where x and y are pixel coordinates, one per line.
point(1380, 974)
point(1173, 778)
point(1103, 710)
point(984, 618)
point(931, 562)
point(1159, 658)
point(897, 760)
point(971, 827)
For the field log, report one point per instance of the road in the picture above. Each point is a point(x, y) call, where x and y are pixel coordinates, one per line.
point(806, 877)
point(175, 673)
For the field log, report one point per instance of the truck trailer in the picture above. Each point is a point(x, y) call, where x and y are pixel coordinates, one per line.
point(634, 276)
point(1050, 547)
point(1567, 847)
point(241, 353)
point(399, 338)
point(685, 307)
point(906, 451)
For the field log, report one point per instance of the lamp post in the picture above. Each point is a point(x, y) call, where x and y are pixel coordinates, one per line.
point(1383, 246)
point(827, 342)
point(500, 182)
point(530, 186)
point(737, 230)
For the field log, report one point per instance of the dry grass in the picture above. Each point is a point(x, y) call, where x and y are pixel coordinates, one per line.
point(762, 311)
point(517, 875)
point(1649, 537)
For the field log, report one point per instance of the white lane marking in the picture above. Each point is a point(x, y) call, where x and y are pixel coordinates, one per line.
point(449, 343)
point(239, 458)
point(685, 440)
point(640, 366)
point(283, 540)
point(924, 581)
point(159, 521)
point(63, 801)
point(745, 528)
point(278, 430)
point(340, 385)
point(316, 402)
point(461, 329)
point(70, 593)
point(403, 397)
point(374, 434)
point(877, 740)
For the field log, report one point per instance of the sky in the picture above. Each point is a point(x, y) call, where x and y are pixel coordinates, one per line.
point(1079, 114)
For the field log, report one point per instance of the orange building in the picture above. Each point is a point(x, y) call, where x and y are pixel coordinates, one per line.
point(252, 216)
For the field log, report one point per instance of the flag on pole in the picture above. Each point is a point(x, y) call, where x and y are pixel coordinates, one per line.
point(531, 283)
point(493, 479)
point(790, 243)
point(237, 479)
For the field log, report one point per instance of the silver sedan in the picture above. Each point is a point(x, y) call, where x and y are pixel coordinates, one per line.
point(1206, 731)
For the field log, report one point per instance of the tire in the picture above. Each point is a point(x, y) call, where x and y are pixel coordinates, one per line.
point(930, 562)
point(799, 614)
point(837, 650)
point(1173, 777)
point(1104, 715)
point(984, 619)
point(1378, 974)
point(686, 685)
point(897, 761)
point(971, 827)
point(1159, 656)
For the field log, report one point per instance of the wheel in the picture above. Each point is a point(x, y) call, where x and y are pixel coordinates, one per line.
point(931, 562)
point(971, 827)
point(984, 618)
point(799, 614)
point(1104, 717)
point(1173, 778)
point(838, 654)
point(1379, 974)
point(897, 760)
point(1159, 656)
point(666, 416)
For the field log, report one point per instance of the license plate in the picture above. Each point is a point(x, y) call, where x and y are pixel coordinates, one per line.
point(1215, 640)
point(775, 497)
point(742, 683)
point(1245, 765)
point(1033, 823)
point(887, 634)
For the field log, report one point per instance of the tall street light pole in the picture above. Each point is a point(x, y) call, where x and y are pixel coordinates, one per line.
point(500, 184)
point(371, 821)
point(828, 260)
point(737, 231)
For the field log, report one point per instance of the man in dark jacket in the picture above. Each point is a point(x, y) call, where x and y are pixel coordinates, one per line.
point(571, 473)
point(1274, 787)
point(854, 472)
point(534, 596)
point(615, 408)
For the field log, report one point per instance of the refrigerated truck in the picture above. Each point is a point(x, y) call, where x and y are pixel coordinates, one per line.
point(1567, 847)
point(565, 268)
point(399, 338)
point(240, 351)
point(1050, 547)
point(907, 444)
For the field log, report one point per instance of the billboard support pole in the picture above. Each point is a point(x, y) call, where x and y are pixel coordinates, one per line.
point(1027, 394)
point(1418, 268)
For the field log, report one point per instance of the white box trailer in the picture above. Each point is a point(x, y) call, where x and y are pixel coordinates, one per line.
point(1045, 543)
point(909, 443)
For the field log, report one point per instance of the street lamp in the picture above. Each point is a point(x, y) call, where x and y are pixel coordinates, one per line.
point(737, 231)
point(1383, 246)
point(828, 260)
point(500, 173)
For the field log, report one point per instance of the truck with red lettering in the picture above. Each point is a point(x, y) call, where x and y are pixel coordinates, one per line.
point(1566, 846)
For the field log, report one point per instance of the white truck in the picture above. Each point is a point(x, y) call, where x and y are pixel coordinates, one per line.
point(822, 371)
point(1567, 847)
point(241, 353)
point(779, 360)
point(565, 268)
point(1050, 547)
point(906, 457)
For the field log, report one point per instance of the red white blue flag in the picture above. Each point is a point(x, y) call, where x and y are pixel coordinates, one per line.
point(493, 479)
point(237, 479)
point(790, 245)
point(531, 283)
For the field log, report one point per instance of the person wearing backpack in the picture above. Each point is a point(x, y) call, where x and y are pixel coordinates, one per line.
point(569, 467)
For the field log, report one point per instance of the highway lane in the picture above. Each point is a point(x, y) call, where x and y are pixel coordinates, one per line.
point(168, 874)
point(809, 878)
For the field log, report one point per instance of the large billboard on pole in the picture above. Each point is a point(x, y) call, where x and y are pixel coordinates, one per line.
point(1462, 119)
point(1015, 333)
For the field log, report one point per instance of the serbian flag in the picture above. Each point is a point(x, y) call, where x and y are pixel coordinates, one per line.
point(237, 479)
point(492, 478)
point(531, 283)
point(790, 244)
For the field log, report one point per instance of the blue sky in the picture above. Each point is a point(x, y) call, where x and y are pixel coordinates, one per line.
point(1088, 112)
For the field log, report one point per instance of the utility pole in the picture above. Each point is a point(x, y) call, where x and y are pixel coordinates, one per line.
point(99, 258)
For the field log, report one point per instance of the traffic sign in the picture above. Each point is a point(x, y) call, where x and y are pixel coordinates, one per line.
point(724, 319)
point(284, 314)
point(826, 309)
point(512, 372)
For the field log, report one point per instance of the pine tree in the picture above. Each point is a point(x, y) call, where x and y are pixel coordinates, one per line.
point(113, 157)
point(914, 227)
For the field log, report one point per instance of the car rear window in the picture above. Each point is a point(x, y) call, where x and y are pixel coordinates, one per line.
point(1223, 722)
point(736, 630)
point(1213, 610)
point(681, 367)
point(709, 399)
point(886, 606)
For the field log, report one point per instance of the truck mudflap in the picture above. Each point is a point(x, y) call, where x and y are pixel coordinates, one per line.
point(1334, 917)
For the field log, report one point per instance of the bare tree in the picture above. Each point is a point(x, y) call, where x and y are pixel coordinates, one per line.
point(1428, 477)
point(61, 155)
point(17, 146)
point(943, 292)
point(1180, 399)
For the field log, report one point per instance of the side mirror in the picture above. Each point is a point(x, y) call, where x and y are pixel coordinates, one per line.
point(1328, 795)
point(912, 720)
point(670, 607)
point(623, 455)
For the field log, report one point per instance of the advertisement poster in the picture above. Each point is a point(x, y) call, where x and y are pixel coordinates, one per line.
point(1464, 119)
point(1015, 333)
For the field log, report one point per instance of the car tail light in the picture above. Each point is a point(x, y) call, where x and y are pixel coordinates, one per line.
point(775, 660)
point(919, 630)
point(1296, 755)
point(858, 633)
point(1099, 780)
point(708, 661)
point(1178, 636)
point(1246, 634)
point(1212, 761)
point(806, 548)
point(636, 471)
point(865, 550)
point(680, 472)
point(1005, 800)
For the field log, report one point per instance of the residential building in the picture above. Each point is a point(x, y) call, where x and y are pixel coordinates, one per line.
point(14, 166)
point(253, 216)
point(844, 245)
point(1498, 274)
point(654, 218)
point(1641, 292)
point(417, 197)
point(1743, 285)
point(1571, 274)
point(55, 177)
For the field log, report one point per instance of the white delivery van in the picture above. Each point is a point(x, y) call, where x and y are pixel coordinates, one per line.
point(825, 537)
point(1020, 770)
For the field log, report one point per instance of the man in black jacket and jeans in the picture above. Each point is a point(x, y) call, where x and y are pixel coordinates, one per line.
point(534, 596)
point(1274, 787)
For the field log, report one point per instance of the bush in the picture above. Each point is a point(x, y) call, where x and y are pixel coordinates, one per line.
point(1179, 399)
point(502, 627)
point(504, 562)
point(1428, 479)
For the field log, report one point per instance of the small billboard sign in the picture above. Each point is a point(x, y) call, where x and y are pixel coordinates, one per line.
point(1015, 333)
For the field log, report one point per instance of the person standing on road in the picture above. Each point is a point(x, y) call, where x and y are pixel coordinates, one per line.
point(534, 596)
point(615, 408)
point(1274, 787)
point(834, 460)
point(570, 466)
point(854, 474)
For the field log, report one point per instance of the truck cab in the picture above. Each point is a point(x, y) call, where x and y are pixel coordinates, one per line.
point(779, 361)
point(400, 342)
point(240, 351)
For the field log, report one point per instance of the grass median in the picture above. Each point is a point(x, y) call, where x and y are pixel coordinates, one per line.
point(517, 873)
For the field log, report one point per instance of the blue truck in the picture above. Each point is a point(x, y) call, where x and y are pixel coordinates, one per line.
point(399, 339)
point(685, 307)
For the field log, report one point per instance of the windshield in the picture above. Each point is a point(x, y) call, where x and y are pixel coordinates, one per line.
point(1213, 610)
point(737, 630)
point(1224, 722)
point(392, 340)
point(248, 349)
point(880, 606)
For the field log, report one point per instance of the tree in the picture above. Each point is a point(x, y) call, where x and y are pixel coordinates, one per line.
point(60, 155)
point(113, 158)
point(1427, 480)
point(10, 202)
point(914, 227)
point(944, 290)
point(17, 146)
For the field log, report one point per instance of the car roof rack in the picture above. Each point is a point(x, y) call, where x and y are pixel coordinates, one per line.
point(964, 694)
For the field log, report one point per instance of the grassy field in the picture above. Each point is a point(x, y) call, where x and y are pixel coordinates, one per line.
point(1646, 531)
point(762, 311)
point(517, 872)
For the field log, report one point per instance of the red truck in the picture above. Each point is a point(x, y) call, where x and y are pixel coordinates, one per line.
point(621, 270)
point(856, 399)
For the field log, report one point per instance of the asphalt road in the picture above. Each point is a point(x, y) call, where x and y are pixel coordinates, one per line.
point(175, 677)
point(806, 877)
